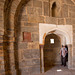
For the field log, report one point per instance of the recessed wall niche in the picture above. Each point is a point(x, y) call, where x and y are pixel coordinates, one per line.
point(54, 9)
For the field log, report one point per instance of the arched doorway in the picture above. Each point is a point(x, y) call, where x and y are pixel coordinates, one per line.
point(51, 51)
point(66, 36)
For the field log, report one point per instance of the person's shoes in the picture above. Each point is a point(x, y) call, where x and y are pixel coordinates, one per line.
point(61, 64)
point(64, 65)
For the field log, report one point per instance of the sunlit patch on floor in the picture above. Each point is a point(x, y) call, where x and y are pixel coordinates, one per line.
point(59, 70)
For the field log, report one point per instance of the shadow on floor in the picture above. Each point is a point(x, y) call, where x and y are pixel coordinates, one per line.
point(49, 67)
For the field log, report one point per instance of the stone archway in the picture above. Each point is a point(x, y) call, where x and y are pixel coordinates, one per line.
point(12, 9)
point(62, 32)
point(12, 22)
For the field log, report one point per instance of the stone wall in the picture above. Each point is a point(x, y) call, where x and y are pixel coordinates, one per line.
point(18, 16)
point(35, 12)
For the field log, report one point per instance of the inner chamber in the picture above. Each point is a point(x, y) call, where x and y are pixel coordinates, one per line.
point(52, 51)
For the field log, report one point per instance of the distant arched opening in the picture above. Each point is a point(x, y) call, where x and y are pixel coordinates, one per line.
point(51, 51)
point(65, 37)
point(54, 9)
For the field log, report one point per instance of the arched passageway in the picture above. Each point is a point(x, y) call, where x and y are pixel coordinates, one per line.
point(53, 42)
point(51, 51)
point(63, 36)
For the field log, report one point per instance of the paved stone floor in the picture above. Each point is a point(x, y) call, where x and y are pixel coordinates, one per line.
point(59, 70)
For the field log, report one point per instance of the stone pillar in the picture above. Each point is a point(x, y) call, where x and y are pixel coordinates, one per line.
point(42, 58)
point(2, 69)
point(70, 56)
point(8, 49)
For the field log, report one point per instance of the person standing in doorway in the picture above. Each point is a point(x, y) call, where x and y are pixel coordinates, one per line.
point(63, 53)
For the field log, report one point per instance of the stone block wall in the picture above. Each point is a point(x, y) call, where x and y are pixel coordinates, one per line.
point(38, 11)
point(32, 13)
point(29, 53)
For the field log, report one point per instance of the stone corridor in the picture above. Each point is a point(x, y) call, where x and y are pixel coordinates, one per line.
point(59, 70)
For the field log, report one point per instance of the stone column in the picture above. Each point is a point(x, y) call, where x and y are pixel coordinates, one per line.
point(42, 58)
point(8, 49)
point(2, 68)
point(70, 56)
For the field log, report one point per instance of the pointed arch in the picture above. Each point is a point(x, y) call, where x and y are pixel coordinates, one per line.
point(57, 29)
point(60, 33)
point(11, 10)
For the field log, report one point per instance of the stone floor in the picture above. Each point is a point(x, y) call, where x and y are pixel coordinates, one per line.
point(59, 70)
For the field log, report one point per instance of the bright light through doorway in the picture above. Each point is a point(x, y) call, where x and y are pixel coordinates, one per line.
point(52, 41)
